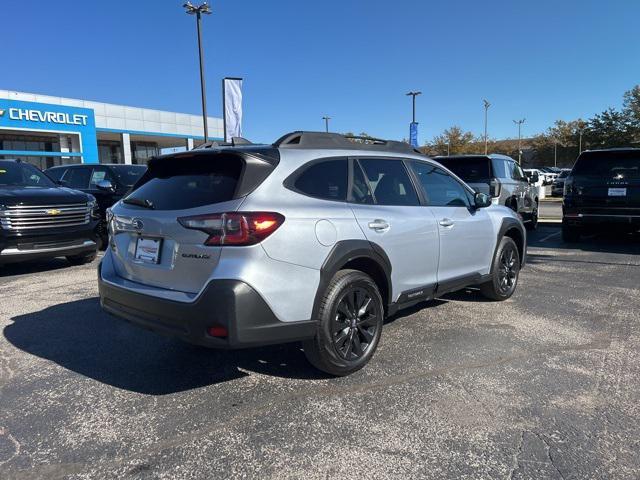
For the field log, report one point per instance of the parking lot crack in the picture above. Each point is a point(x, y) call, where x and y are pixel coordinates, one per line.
point(516, 456)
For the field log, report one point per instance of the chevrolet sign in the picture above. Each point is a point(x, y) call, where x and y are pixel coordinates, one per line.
point(47, 117)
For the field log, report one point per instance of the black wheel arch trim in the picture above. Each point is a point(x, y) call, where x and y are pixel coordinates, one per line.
point(510, 223)
point(346, 251)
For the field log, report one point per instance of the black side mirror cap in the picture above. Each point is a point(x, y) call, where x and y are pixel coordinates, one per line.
point(481, 200)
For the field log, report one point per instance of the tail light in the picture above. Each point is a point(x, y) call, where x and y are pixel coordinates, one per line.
point(494, 187)
point(234, 228)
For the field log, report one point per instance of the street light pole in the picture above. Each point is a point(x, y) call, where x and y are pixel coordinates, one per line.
point(198, 11)
point(519, 123)
point(580, 146)
point(486, 115)
point(326, 123)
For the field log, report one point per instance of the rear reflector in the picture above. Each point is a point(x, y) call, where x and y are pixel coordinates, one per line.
point(218, 331)
point(234, 228)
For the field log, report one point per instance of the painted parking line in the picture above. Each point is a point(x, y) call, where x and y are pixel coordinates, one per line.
point(549, 236)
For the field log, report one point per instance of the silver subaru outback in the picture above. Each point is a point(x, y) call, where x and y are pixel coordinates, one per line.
point(316, 238)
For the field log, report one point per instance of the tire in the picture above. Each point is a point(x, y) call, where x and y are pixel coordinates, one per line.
point(505, 270)
point(532, 224)
point(346, 339)
point(570, 234)
point(82, 259)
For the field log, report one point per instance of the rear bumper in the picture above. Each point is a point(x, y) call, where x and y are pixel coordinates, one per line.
point(589, 217)
point(231, 304)
point(46, 244)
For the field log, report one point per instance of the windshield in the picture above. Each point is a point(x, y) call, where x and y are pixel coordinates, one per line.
point(18, 174)
point(564, 173)
point(128, 175)
point(469, 169)
point(618, 165)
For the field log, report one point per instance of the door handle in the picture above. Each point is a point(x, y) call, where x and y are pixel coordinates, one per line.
point(446, 222)
point(379, 225)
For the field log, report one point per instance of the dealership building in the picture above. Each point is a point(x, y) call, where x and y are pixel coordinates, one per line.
point(47, 131)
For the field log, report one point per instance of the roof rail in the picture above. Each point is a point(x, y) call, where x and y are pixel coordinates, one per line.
point(235, 142)
point(319, 140)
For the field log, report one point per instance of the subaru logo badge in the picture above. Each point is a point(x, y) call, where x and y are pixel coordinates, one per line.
point(137, 224)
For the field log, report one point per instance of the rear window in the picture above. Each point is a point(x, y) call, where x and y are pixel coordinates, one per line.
point(469, 169)
point(180, 183)
point(609, 164)
point(128, 175)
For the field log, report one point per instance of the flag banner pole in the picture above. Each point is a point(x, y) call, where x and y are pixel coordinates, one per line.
point(232, 107)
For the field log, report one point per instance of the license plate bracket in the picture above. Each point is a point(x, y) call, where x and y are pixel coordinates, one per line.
point(148, 250)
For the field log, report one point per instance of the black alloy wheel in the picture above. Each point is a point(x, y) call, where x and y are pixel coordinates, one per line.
point(355, 324)
point(508, 270)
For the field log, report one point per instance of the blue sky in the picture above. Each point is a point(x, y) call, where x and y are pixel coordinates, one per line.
point(351, 59)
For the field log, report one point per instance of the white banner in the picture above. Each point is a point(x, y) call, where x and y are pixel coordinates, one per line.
point(232, 91)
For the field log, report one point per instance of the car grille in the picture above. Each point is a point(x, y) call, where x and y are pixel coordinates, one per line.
point(27, 217)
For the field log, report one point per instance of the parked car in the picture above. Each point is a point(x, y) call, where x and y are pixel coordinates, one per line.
point(314, 238)
point(551, 174)
point(602, 191)
point(39, 219)
point(500, 177)
point(107, 182)
point(557, 188)
point(535, 177)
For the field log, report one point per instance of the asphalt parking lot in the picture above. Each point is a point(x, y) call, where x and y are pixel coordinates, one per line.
point(544, 385)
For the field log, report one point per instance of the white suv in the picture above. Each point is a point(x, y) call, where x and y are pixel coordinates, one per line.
point(316, 238)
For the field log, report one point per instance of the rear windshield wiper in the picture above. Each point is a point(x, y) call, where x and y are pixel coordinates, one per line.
point(140, 202)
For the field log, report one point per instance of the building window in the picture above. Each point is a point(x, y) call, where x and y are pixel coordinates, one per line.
point(142, 152)
point(109, 152)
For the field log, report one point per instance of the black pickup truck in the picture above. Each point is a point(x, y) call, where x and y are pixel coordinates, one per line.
point(40, 219)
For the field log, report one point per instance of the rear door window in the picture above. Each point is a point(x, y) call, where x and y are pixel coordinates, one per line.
point(389, 182)
point(180, 183)
point(325, 179)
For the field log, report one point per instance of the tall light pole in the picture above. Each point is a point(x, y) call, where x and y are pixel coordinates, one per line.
point(519, 123)
point(413, 128)
point(198, 12)
point(326, 123)
point(486, 114)
point(580, 144)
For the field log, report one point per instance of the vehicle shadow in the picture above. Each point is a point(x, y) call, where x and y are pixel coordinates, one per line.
point(606, 240)
point(80, 337)
point(33, 266)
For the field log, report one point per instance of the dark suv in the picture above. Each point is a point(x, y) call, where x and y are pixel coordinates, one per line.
point(107, 182)
point(41, 219)
point(603, 188)
point(501, 177)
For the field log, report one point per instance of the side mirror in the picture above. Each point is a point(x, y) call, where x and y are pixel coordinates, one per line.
point(62, 183)
point(105, 185)
point(482, 200)
point(534, 178)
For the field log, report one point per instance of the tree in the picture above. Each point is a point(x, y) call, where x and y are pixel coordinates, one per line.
point(453, 140)
point(631, 109)
point(610, 128)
